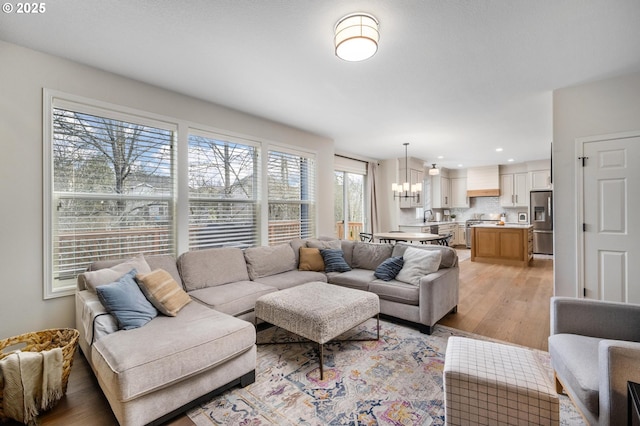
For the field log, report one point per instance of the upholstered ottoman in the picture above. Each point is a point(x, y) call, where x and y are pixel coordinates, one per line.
point(489, 383)
point(318, 311)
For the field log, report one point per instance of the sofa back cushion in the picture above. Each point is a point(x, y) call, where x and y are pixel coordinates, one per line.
point(296, 245)
point(449, 255)
point(265, 261)
point(347, 249)
point(334, 244)
point(159, 261)
point(212, 267)
point(106, 272)
point(370, 255)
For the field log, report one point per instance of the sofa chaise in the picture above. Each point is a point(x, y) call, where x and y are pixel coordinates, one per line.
point(151, 373)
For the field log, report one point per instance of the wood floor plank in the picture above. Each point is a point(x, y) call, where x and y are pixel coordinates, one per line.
point(509, 303)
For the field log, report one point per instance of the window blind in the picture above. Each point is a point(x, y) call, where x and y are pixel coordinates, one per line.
point(223, 193)
point(291, 189)
point(112, 192)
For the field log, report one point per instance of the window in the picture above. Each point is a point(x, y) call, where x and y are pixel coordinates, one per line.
point(223, 192)
point(115, 180)
point(291, 188)
point(112, 189)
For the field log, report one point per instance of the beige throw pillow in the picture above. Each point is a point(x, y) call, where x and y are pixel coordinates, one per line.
point(163, 291)
point(108, 275)
point(311, 260)
point(418, 263)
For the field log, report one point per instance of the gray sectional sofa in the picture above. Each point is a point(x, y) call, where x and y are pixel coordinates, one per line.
point(151, 373)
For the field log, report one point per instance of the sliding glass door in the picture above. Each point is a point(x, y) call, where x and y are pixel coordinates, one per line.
point(349, 190)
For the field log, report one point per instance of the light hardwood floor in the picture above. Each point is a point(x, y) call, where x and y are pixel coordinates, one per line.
point(509, 303)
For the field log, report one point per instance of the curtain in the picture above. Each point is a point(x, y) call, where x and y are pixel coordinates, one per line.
point(373, 195)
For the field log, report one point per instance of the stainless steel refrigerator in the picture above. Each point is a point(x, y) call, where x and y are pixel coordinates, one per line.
point(541, 216)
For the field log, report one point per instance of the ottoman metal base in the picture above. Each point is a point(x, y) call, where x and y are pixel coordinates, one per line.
point(488, 383)
point(318, 311)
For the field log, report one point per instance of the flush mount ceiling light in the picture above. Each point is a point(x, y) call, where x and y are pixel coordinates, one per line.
point(433, 170)
point(356, 37)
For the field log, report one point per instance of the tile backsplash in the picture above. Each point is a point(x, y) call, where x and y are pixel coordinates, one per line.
point(477, 205)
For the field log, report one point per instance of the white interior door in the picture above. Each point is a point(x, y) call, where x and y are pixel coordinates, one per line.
point(611, 237)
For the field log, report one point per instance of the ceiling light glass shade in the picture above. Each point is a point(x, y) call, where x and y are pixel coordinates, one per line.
point(433, 170)
point(356, 37)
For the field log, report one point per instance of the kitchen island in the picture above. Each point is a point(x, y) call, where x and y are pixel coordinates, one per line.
point(509, 244)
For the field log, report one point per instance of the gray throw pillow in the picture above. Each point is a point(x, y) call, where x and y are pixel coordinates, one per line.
point(389, 268)
point(124, 300)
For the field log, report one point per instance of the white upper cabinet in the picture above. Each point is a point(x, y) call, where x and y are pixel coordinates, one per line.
point(540, 179)
point(440, 192)
point(514, 190)
point(459, 192)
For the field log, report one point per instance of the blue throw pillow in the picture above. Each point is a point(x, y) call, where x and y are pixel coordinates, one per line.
point(388, 269)
point(334, 260)
point(124, 300)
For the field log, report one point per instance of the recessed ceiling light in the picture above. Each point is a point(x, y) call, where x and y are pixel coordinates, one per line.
point(498, 149)
point(440, 157)
point(459, 165)
point(510, 160)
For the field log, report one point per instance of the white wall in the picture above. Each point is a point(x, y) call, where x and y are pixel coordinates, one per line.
point(23, 75)
point(598, 108)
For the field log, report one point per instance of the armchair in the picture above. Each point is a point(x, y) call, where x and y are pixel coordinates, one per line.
point(595, 350)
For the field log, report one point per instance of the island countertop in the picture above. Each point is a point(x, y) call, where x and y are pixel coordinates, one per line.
point(506, 225)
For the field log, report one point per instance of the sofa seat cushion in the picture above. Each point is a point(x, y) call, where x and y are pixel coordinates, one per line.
point(355, 278)
point(234, 298)
point(396, 291)
point(575, 360)
point(291, 279)
point(167, 350)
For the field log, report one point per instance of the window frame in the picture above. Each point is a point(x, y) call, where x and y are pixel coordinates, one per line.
point(52, 100)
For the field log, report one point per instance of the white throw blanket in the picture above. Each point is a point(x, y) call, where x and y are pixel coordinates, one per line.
point(31, 381)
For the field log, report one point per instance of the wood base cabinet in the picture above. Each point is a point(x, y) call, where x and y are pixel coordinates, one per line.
point(503, 245)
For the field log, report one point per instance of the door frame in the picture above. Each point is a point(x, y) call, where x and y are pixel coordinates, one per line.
point(579, 176)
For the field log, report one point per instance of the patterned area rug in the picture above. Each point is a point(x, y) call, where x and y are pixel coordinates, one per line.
point(394, 381)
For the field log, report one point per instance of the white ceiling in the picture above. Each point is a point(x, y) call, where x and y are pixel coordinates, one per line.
point(456, 78)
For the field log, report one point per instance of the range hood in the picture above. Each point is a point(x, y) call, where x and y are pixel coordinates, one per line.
point(483, 181)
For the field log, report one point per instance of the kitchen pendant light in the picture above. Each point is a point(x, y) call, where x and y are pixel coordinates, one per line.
point(405, 189)
point(433, 170)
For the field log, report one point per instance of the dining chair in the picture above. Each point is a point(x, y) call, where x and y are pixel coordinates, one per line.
point(444, 241)
point(366, 237)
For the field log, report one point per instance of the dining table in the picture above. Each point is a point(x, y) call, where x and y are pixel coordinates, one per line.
point(422, 237)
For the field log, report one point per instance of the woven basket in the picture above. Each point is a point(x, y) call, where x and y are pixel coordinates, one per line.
point(39, 341)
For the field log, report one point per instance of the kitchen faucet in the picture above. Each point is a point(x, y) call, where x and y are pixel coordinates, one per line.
point(424, 216)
